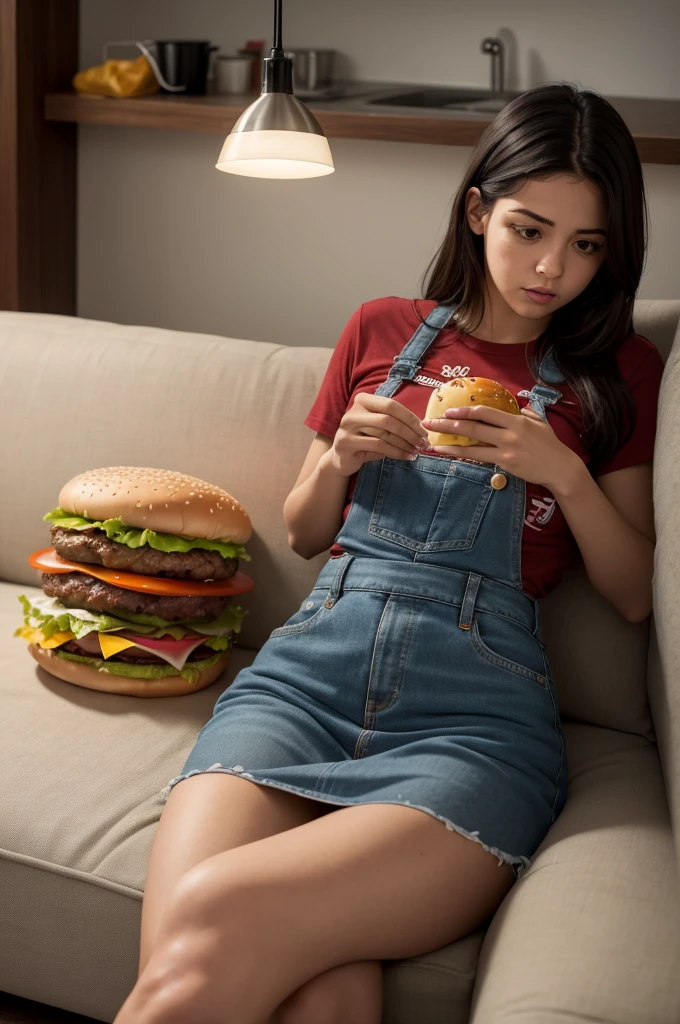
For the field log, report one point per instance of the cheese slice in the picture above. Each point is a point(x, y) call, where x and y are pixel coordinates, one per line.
point(111, 644)
point(30, 633)
point(57, 639)
point(36, 636)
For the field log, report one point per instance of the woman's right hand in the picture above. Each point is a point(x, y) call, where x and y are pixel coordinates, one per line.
point(375, 427)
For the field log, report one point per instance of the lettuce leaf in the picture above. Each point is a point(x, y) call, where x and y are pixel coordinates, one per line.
point(116, 529)
point(51, 616)
point(191, 670)
point(218, 643)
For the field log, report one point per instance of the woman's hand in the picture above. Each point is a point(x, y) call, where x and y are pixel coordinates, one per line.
point(375, 427)
point(524, 445)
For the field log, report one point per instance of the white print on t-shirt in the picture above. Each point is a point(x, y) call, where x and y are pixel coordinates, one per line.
point(431, 382)
point(541, 512)
point(445, 372)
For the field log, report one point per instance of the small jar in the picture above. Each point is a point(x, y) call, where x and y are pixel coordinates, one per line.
point(233, 74)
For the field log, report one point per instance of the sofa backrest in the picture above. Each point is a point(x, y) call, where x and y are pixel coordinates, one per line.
point(77, 394)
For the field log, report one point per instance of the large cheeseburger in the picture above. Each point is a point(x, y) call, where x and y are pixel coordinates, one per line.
point(137, 583)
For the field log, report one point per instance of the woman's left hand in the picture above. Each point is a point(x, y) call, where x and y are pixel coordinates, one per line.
point(524, 445)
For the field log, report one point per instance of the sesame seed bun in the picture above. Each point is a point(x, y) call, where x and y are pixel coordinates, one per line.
point(158, 499)
point(462, 392)
point(81, 674)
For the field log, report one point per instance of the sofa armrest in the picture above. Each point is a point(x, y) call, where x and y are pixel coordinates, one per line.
point(592, 930)
point(663, 679)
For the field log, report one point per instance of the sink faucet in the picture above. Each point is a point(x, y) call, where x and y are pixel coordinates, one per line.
point(495, 48)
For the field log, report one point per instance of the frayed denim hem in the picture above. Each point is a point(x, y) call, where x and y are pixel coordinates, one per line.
point(519, 864)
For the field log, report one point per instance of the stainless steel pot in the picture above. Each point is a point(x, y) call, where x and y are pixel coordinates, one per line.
point(312, 68)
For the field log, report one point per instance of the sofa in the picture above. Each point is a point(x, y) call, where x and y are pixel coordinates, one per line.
point(591, 932)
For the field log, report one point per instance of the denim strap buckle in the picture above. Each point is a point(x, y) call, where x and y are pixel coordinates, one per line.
point(405, 368)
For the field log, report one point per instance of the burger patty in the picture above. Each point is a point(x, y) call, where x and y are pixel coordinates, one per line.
point(76, 590)
point(94, 546)
point(136, 655)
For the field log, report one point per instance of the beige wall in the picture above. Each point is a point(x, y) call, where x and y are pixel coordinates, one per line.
point(165, 239)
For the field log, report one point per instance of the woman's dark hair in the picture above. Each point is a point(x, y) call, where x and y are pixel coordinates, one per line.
point(552, 129)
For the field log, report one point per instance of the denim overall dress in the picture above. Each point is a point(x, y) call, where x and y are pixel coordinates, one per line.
point(413, 673)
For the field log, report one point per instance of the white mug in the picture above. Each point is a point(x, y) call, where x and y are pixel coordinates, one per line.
point(233, 74)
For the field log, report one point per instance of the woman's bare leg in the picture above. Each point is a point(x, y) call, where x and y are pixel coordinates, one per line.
point(208, 814)
point(213, 812)
point(367, 882)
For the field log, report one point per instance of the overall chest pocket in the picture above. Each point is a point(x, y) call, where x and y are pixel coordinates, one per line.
point(430, 504)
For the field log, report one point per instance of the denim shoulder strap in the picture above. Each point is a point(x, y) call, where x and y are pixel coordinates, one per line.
point(542, 394)
point(407, 363)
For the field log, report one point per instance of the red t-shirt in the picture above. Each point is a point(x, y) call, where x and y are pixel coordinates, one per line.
point(378, 330)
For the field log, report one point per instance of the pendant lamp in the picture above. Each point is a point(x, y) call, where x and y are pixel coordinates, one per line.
point(276, 136)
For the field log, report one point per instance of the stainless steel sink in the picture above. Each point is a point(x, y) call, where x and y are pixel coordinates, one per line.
point(445, 98)
point(438, 97)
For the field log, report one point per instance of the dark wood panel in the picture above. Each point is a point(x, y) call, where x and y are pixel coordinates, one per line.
point(9, 270)
point(654, 124)
point(38, 53)
point(218, 114)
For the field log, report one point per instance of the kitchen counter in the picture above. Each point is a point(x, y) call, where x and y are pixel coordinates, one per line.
point(654, 123)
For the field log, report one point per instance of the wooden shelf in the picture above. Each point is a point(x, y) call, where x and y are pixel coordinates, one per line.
point(654, 123)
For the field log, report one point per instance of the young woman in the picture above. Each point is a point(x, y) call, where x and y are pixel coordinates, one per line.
point(371, 787)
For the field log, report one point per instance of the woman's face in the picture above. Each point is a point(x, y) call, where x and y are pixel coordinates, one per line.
point(522, 252)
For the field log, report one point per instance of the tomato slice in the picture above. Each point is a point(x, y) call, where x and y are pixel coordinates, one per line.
point(47, 560)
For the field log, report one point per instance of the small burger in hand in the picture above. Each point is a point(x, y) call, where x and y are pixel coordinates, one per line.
point(461, 392)
point(137, 585)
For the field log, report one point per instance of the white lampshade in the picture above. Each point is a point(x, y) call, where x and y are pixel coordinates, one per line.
point(277, 136)
point(270, 153)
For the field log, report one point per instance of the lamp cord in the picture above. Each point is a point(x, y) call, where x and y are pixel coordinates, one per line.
point(278, 18)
